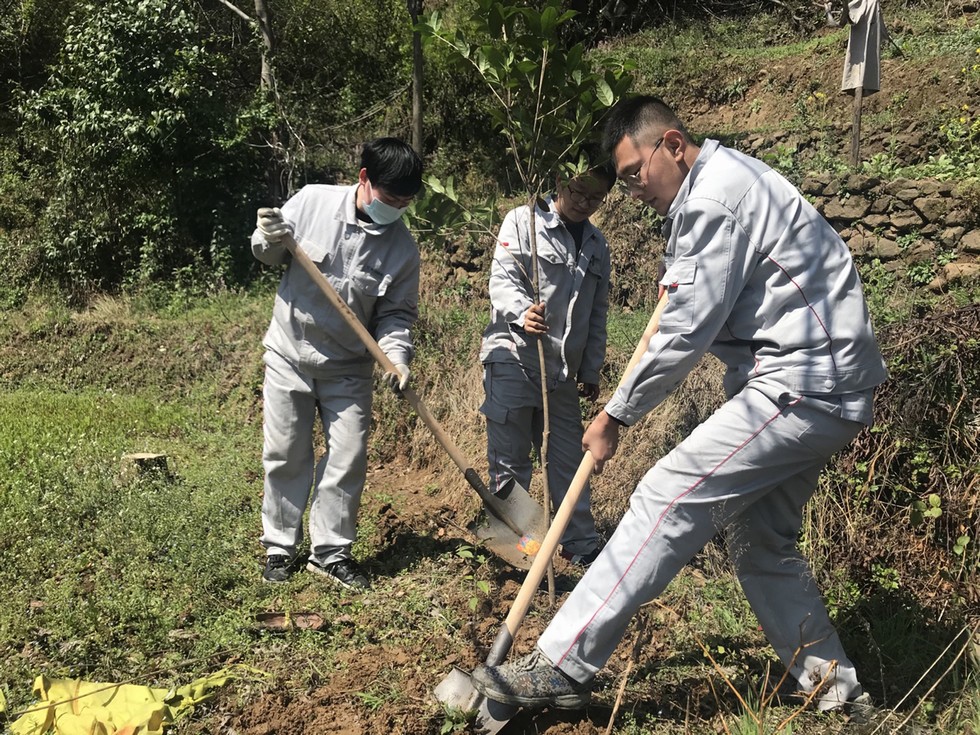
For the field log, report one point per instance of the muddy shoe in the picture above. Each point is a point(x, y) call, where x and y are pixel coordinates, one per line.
point(345, 572)
point(531, 682)
point(581, 560)
point(859, 710)
point(278, 568)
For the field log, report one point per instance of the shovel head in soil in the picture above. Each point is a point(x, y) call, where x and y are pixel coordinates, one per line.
point(500, 537)
point(456, 692)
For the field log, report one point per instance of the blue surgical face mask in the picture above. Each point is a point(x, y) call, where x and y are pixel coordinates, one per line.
point(382, 213)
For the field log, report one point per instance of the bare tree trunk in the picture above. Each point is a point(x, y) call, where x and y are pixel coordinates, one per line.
point(415, 9)
point(545, 407)
point(279, 137)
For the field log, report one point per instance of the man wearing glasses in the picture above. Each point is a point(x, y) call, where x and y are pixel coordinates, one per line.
point(756, 276)
point(569, 316)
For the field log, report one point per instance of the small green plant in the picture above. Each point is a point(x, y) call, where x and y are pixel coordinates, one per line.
point(930, 508)
point(456, 720)
point(885, 577)
point(482, 586)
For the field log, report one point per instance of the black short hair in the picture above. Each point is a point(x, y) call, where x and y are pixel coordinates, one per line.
point(600, 164)
point(639, 115)
point(392, 165)
point(605, 172)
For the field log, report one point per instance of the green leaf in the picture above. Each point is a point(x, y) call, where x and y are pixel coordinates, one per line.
point(604, 93)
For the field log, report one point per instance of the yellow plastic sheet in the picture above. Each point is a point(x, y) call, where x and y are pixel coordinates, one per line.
point(74, 707)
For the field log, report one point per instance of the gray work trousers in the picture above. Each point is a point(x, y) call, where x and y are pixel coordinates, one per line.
point(291, 402)
point(515, 422)
point(749, 469)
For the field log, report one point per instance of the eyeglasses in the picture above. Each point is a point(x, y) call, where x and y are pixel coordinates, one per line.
point(585, 200)
point(633, 182)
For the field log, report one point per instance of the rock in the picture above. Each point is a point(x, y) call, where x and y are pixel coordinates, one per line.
point(905, 220)
point(932, 208)
point(896, 185)
point(852, 208)
point(960, 216)
point(876, 220)
point(861, 183)
point(858, 243)
point(956, 272)
point(815, 184)
point(970, 242)
point(922, 251)
point(951, 235)
point(884, 248)
point(908, 195)
point(882, 204)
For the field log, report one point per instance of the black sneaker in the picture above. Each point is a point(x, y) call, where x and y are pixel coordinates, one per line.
point(345, 572)
point(278, 568)
point(531, 682)
point(581, 560)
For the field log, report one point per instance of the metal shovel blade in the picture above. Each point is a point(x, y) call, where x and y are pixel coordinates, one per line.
point(501, 541)
point(456, 691)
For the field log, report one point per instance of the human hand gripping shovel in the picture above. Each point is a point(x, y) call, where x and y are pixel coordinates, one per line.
point(457, 690)
point(515, 525)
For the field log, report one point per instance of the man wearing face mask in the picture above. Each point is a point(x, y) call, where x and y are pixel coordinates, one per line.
point(315, 362)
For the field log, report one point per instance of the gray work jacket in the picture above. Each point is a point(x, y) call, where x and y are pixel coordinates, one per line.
point(759, 278)
point(374, 269)
point(575, 290)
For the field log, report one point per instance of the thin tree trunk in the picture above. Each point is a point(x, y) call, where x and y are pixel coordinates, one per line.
point(546, 428)
point(415, 9)
point(279, 136)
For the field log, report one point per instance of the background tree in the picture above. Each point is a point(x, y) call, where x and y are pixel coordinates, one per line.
point(141, 146)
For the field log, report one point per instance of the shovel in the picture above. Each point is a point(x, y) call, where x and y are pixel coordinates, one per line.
point(514, 525)
point(456, 690)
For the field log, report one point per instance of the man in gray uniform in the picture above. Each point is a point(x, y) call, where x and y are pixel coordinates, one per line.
point(570, 317)
point(315, 362)
point(755, 275)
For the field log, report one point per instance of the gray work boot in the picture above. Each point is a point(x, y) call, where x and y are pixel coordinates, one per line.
point(531, 682)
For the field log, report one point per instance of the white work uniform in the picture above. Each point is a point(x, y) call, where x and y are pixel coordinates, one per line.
point(574, 286)
point(314, 360)
point(756, 276)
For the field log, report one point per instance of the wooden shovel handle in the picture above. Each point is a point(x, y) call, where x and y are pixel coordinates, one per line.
point(505, 637)
point(330, 293)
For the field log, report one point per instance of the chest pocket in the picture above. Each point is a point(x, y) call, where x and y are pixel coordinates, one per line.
point(370, 282)
point(680, 281)
point(595, 267)
point(314, 248)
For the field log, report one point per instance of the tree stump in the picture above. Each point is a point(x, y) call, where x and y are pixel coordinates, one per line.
point(139, 465)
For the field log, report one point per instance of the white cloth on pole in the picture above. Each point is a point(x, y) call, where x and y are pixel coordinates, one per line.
point(862, 65)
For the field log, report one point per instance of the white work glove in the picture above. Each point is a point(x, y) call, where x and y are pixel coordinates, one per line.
point(272, 225)
point(397, 379)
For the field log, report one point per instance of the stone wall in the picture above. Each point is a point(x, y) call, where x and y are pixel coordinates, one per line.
point(903, 223)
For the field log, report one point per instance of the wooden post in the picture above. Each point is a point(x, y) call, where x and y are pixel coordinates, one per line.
point(856, 127)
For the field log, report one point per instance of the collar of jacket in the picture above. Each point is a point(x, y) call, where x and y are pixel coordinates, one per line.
point(552, 219)
point(708, 149)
